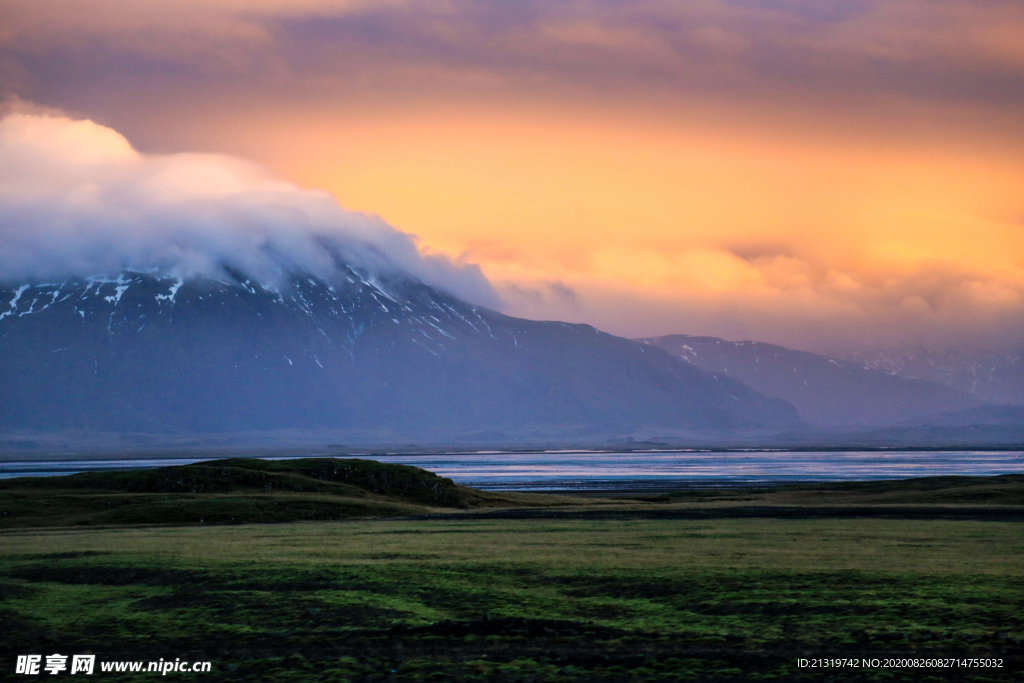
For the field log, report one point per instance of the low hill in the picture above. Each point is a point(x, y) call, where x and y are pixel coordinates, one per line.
point(240, 490)
point(246, 490)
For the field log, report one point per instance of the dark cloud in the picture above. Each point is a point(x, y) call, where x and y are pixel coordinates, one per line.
point(835, 51)
point(818, 11)
point(541, 299)
point(762, 250)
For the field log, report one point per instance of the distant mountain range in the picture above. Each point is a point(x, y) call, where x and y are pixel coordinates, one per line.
point(993, 377)
point(826, 391)
point(379, 358)
point(387, 359)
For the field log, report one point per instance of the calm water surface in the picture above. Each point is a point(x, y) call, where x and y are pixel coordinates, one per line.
point(589, 470)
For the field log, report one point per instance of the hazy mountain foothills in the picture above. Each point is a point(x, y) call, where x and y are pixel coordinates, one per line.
point(832, 392)
point(370, 356)
point(994, 377)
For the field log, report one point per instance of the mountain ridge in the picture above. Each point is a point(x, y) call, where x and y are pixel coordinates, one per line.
point(991, 376)
point(149, 352)
point(826, 391)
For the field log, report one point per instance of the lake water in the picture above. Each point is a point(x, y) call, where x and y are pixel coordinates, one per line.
point(577, 470)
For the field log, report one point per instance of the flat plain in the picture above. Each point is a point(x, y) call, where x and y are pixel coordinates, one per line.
point(701, 586)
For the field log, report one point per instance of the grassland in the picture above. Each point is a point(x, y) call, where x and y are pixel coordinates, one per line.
point(240, 490)
point(698, 586)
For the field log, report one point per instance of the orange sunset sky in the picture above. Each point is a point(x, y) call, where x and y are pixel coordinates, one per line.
point(826, 175)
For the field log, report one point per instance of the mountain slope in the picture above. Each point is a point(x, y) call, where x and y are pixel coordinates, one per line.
point(994, 377)
point(986, 415)
point(826, 391)
point(377, 357)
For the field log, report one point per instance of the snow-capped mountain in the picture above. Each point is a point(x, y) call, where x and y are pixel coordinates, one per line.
point(379, 357)
point(995, 377)
point(826, 391)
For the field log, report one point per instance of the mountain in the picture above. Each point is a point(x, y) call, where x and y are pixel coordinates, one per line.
point(378, 358)
point(994, 377)
point(980, 416)
point(826, 391)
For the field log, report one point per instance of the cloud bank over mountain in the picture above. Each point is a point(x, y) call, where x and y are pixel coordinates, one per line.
point(803, 300)
point(77, 199)
point(826, 175)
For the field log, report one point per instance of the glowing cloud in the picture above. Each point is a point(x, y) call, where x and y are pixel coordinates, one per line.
point(77, 199)
point(809, 172)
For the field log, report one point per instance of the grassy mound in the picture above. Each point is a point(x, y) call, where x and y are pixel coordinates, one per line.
point(246, 490)
point(306, 475)
point(236, 490)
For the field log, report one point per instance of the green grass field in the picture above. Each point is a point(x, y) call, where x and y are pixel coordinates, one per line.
point(597, 591)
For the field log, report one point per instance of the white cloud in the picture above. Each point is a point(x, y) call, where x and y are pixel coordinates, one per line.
point(77, 199)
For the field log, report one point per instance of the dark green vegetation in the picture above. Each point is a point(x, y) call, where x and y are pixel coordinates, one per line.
point(602, 591)
point(246, 490)
point(237, 490)
point(1007, 489)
